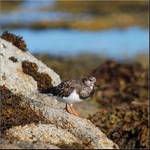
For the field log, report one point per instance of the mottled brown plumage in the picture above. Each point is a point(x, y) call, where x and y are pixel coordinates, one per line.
point(64, 89)
point(72, 91)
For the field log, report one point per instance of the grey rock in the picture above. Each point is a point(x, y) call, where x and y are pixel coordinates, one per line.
point(5, 144)
point(16, 80)
point(43, 133)
point(18, 144)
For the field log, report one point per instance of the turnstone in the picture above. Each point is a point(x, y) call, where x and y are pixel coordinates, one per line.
point(72, 91)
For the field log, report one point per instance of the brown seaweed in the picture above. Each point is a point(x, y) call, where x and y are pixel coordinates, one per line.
point(14, 113)
point(14, 39)
point(44, 81)
point(123, 95)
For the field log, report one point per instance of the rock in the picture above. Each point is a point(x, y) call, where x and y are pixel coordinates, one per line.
point(21, 75)
point(16, 144)
point(13, 76)
point(46, 133)
point(9, 146)
point(5, 144)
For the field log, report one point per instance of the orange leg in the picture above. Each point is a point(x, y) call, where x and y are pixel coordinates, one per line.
point(68, 109)
point(71, 110)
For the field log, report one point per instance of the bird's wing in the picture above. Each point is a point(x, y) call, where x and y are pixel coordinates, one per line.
point(64, 89)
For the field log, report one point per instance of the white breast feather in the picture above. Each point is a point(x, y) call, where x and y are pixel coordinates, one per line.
point(72, 98)
point(91, 87)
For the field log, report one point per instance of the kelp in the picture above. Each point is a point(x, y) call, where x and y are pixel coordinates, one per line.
point(123, 95)
point(120, 82)
point(126, 125)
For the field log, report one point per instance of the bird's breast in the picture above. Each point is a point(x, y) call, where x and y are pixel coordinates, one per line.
point(72, 98)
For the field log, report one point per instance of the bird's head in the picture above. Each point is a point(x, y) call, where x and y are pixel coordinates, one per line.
point(89, 81)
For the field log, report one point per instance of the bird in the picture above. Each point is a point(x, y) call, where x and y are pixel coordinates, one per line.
point(72, 91)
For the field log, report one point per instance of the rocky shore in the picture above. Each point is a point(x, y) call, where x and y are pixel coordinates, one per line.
point(33, 120)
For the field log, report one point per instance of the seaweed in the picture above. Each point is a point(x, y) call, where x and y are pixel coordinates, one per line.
point(123, 95)
point(126, 125)
point(44, 81)
point(120, 83)
point(14, 113)
point(15, 40)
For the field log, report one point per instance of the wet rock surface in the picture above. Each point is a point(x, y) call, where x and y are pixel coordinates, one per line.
point(26, 112)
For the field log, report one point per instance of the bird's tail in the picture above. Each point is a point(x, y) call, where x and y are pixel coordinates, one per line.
point(45, 91)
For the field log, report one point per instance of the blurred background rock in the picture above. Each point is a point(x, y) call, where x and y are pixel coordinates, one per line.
point(108, 39)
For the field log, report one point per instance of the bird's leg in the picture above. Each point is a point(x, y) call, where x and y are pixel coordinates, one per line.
point(68, 109)
point(73, 110)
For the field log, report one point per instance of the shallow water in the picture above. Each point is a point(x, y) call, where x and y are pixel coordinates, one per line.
point(29, 11)
point(112, 43)
point(116, 43)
